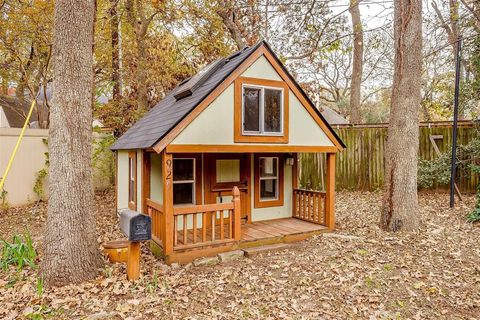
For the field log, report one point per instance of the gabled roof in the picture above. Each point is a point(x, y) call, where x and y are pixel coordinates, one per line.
point(332, 117)
point(169, 112)
point(16, 111)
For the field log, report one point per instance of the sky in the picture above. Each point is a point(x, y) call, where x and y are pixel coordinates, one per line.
point(374, 13)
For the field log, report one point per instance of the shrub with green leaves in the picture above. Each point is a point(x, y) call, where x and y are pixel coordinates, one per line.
point(19, 253)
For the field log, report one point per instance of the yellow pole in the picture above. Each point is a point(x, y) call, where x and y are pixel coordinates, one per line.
point(2, 182)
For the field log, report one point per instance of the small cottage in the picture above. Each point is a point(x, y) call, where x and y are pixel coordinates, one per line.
point(215, 162)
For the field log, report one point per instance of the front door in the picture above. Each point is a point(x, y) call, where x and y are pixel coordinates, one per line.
point(222, 173)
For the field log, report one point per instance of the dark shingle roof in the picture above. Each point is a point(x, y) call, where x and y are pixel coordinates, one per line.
point(162, 118)
point(16, 110)
point(168, 112)
point(332, 117)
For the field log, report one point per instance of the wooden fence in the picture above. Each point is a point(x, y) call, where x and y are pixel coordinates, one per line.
point(361, 165)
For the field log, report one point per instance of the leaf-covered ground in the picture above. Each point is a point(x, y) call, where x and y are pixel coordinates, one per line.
point(360, 272)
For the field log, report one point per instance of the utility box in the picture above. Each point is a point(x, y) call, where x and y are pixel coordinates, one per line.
point(135, 225)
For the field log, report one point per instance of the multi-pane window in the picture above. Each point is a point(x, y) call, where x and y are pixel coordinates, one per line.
point(262, 110)
point(268, 178)
point(184, 181)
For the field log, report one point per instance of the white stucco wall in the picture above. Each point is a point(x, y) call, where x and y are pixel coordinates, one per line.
point(156, 179)
point(262, 69)
point(214, 125)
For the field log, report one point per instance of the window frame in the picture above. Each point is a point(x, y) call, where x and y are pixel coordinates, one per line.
point(198, 167)
point(279, 200)
point(261, 111)
point(132, 175)
point(193, 182)
point(261, 136)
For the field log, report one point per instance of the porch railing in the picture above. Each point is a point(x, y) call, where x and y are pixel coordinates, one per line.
point(198, 225)
point(309, 205)
point(155, 211)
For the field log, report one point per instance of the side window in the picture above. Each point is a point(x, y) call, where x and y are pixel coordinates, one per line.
point(184, 181)
point(268, 178)
point(268, 181)
point(132, 180)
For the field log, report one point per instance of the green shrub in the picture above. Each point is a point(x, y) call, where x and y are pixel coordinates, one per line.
point(20, 253)
point(474, 216)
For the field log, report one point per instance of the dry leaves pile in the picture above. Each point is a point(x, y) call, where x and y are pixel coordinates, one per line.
point(360, 272)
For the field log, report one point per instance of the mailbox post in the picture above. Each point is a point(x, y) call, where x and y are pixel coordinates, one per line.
point(137, 227)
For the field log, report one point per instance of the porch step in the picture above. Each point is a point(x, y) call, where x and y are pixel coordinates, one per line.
point(249, 252)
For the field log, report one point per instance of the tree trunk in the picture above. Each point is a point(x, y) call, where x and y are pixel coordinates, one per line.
point(139, 22)
point(116, 92)
point(71, 253)
point(357, 69)
point(400, 205)
point(226, 11)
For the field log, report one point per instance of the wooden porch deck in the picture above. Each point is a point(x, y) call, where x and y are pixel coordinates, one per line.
point(273, 229)
point(268, 230)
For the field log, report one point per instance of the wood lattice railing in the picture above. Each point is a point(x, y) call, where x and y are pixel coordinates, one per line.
point(155, 211)
point(207, 225)
point(198, 225)
point(309, 205)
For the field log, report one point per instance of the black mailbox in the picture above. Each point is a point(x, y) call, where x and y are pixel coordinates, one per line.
point(135, 225)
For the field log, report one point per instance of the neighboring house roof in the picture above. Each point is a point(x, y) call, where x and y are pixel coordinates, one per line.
point(162, 118)
point(332, 117)
point(16, 111)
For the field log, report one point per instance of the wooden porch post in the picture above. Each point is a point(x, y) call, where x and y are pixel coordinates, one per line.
point(237, 212)
point(167, 174)
point(295, 171)
point(330, 190)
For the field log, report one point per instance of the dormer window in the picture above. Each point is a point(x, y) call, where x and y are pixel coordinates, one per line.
point(261, 110)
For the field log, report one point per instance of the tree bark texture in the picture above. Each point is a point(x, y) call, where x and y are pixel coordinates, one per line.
point(399, 210)
point(71, 253)
point(357, 68)
point(227, 12)
point(139, 22)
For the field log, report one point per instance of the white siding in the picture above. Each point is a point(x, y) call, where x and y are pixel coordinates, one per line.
point(156, 179)
point(122, 179)
point(262, 69)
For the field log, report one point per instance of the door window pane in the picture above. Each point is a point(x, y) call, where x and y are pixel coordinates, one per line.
point(272, 110)
point(183, 169)
point(228, 170)
point(251, 110)
point(183, 193)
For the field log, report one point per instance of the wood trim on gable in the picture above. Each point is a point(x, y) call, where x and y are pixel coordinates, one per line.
point(210, 148)
point(237, 126)
point(262, 50)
